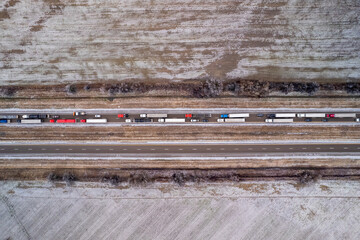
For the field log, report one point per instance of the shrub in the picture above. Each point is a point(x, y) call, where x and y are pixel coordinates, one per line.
point(69, 178)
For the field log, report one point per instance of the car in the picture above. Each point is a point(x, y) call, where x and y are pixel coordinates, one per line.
point(325, 120)
point(194, 120)
point(127, 120)
point(188, 115)
point(330, 115)
point(98, 116)
point(357, 119)
point(123, 115)
point(224, 115)
point(205, 120)
point(83, 120)
point(25, 116)
point(79, 114)
point(260, 115)
point(308, 120)
point(55, 116)
point(271, 115)
point(52, 120)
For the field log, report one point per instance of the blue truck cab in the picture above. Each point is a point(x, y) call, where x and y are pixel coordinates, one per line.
point(4, 121)
point(224, 115)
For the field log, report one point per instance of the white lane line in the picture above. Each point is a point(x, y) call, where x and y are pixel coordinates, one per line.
point(222, 149)
point(166, 149)
point(236, 149)
point(263, 148)
point(57, 149)
point(277, 148)
point(124, 149)
point(152, 149)
point(84, 149)
point(208, 149)
point(250, 148)
point(180, 149)
point(16, 149)
point(304, 148)
point(139, 149)
point(194, 149)
point(2, 149)
point(346, 148)
point(29, 149)
point(331, 148)
point(110, 149)
point(97, 149)
point(291, 148)
point(318, 148)
point(70, 149)
point(43, 149)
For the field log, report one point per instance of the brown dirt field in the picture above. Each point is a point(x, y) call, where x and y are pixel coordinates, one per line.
point(168, 102)
point(128, 133)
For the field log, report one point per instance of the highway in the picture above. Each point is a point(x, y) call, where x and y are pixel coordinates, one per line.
point(176, 149)
point(112, 116)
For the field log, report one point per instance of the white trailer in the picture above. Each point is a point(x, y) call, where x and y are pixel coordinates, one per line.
point(9, 116)
point(280, 120)
point(345, 115)
point(285, 115)
point(238, 115)
point(172, 120)
point(315, 115)
point(30, 120)
point(154, 115)
point(234, 120)
point(98, 120)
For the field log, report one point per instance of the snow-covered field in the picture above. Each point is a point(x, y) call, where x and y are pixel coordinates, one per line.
point(57, 41)
point(246, 210)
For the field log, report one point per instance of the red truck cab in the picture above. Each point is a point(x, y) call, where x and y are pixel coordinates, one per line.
point(83, 120)
point(330, 115)
point(188, 115)
point(52, 120)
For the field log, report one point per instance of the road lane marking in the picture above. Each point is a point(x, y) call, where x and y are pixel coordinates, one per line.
point(277, 148)
point(318, 148)
point(124, 149)
point(346, 148)
point(166, 149)
point(139, 149)
point(222, 149)
point(97, 149)
point(194, 149)
point(84, 149)
point(304, 148)
point(57, 149)
point(236, 149)
point(180, 149)
point(331, 148)
point(29, 149)
point(291, 148)
point(152, 149)
point(250, 148)
point(2, 149)
point(70, 149)
point(111, 149)
point(16, 149)
point(263, 148)
point(43, 149)
point(208, 149)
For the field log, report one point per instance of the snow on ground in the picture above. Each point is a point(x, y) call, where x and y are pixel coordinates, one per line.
point(245, 210)
point(53, 41)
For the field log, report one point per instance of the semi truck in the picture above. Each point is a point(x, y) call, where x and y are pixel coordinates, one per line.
point(309, 115)
point(238, 115)
point(30, 121)
point(345, 115)
point(280, 120)
point(172, 120)
point(143, 120)
point(285, 115)
point(99, 120)
point(154, 115)
point(66, 121)
point(9, 116)
point(4, 121)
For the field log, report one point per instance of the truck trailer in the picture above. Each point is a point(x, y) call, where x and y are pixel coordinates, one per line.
point(172, 120)
point(66, 121)
point(285, 115)
point(345, 115)
point(238, 115)
point(201, 115)
point(154, 115)
point(310, 115)
point(234, 120)
point(280, 120)
point(99, 120)
point(9, 116)
point(30, 121)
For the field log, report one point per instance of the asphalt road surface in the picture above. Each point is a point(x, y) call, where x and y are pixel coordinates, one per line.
point(178, 149)
point(113, 117)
